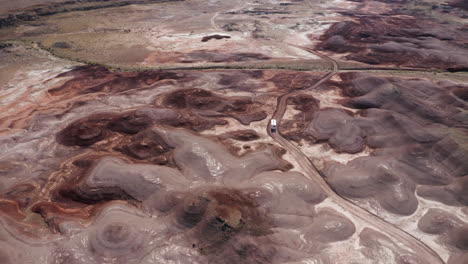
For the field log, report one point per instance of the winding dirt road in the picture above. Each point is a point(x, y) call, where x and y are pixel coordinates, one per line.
point(428, 255)
point(424, 252)
point(213, 23)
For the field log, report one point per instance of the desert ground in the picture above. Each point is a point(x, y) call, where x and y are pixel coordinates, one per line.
point(139, 131)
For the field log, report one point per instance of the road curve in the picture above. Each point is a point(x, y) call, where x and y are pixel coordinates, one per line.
point(213, 23)
point(311, 172)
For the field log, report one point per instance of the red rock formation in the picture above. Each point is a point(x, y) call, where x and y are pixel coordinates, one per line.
point(401, 41)
point(94, 79)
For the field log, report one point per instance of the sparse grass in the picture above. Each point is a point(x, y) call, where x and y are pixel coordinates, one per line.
point(305, 65)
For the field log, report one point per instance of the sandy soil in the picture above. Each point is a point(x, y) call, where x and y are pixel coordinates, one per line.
point(136, 132)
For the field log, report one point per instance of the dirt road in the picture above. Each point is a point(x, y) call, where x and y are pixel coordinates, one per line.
point(311, 172)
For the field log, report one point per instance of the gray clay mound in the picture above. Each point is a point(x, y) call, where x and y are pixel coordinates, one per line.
point(451, 231)
point(417, 131)
point(383, 249)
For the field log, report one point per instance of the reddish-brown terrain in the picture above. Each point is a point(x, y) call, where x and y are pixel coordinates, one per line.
point(401, 41)
point(133, 132)
point(460, 4)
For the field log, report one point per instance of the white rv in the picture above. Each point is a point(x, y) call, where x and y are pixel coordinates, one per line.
point(273, 125)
